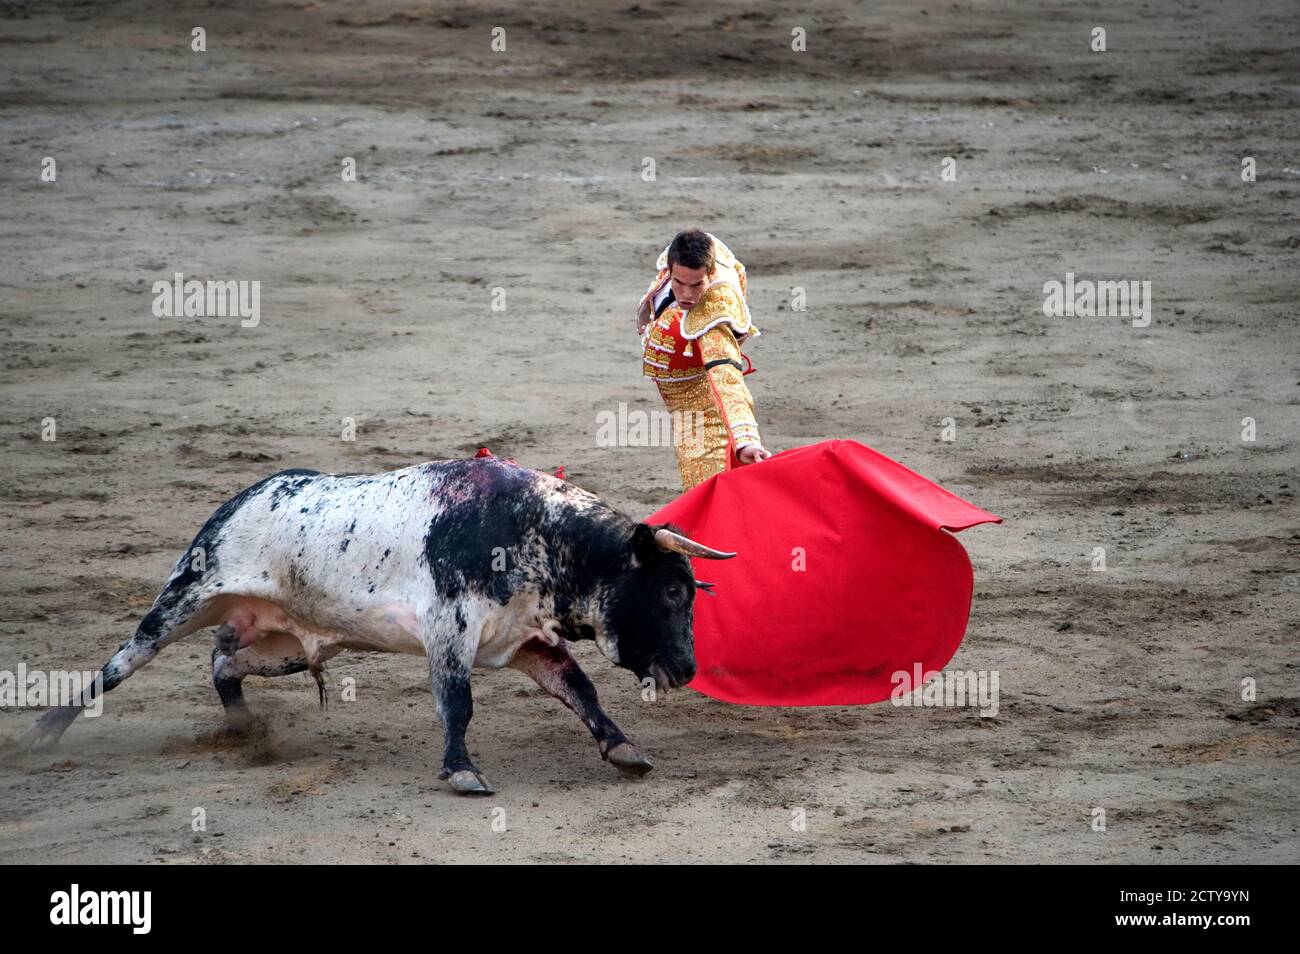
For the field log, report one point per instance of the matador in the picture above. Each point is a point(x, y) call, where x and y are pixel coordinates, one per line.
point(693, 320)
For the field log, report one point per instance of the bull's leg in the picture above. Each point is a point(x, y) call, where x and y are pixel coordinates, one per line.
point(175, 613)
point(552, 668)
point(449, 676)
point(280, 654)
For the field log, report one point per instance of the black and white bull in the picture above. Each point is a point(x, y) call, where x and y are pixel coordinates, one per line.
point(468, 563)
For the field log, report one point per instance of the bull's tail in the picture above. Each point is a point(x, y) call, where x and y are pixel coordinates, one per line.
point(173, 615)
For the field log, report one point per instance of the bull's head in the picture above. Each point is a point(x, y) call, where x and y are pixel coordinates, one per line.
point(650, 612)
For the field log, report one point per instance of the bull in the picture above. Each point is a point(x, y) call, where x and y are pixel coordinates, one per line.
point(468, 563)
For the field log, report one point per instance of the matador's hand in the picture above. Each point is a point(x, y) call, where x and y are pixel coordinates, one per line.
point(642, 317)
point(752, 454)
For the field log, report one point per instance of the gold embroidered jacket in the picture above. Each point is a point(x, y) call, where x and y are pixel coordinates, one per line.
point(703, 345)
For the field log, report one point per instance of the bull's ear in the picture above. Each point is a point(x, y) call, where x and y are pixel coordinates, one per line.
point(645, 551)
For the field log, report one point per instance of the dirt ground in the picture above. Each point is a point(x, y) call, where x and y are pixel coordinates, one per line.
point(1120, 689)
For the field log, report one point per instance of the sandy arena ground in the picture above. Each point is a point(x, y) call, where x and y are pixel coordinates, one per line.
point(522, 170)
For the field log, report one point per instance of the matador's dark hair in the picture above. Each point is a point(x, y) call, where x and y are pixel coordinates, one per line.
point(692, 249)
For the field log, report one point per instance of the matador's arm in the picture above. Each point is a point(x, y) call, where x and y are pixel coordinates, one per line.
point(720, 316)
point(724, 366)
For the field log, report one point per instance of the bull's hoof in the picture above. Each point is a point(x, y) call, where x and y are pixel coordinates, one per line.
point(42, 743)
point(628, 760)
point(45, 732)
point(469, 782)
point(239, 720)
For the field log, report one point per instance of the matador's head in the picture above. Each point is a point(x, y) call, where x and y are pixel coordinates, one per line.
point(690, 266)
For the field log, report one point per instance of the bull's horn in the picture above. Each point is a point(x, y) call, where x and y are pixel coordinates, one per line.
point(675, 542)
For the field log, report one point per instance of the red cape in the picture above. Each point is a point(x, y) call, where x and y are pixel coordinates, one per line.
point(882, 587)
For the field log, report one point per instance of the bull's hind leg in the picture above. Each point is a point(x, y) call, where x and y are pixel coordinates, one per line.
point(176, 612)
point(278, 654)
point(556, 671)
